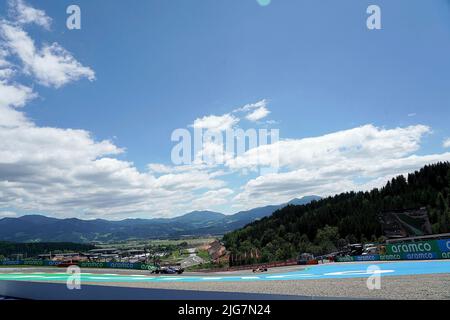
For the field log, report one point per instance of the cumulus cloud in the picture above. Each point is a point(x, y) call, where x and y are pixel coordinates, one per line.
point(252, 106)
point(8, 214)
point(14, 95)
point(216, 123)
point(211, 199)
point(258, 114)
point(366, 142)
point(22, 13)
point(446, 143)
point(52, 65)
point(352, 159)
point(255, 111)
point(66, 172)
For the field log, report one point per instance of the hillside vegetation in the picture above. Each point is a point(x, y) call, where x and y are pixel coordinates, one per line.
point(326, 225)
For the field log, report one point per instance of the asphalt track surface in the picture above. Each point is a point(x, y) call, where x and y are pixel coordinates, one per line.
point(326, 271)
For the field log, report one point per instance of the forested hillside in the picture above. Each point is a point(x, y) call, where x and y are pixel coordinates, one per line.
point(328, 224)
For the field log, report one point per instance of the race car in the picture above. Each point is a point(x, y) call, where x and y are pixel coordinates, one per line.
point(168, 270)
point(260, 269)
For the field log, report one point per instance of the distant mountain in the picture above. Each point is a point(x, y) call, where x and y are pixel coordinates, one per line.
point(38, 228)
point(200, 217)
point(304, 200)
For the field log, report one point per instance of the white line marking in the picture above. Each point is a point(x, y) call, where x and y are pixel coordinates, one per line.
point(357, 272)
point(250, 278)
point(212, 278)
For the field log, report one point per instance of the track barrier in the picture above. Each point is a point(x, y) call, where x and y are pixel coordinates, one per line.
point(420, 250)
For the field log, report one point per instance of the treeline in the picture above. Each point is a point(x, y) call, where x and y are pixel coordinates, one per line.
point(329, 224)
point(33, 249)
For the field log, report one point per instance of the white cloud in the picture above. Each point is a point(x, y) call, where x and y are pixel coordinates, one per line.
point(252, 106)
point(65, 172)
point(446, 143)
point(347, 160)
point(14, 95)
point(366, 142)
point(53, 66)
point(160, 168)
point(24, 14)
point(258, 114)
point(255, 111)
point(216, 123)
point(212, 199)
point(8, 214)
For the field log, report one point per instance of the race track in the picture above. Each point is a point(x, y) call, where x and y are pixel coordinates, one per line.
point(326, 271)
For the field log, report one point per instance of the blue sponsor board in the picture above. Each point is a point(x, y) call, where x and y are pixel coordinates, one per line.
point(122, 265)
point(11, 262)
point(421, 256)
point(51, 263)
point(369, 257)
point(390, 257)
point(444, 245)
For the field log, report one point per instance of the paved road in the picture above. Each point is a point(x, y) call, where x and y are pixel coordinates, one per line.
point(400, 280)
point(327, 271)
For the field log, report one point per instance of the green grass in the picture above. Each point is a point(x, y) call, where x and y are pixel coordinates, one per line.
point(204, 255)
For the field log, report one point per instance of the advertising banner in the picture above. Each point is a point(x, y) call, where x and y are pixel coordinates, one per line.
point(33, 262)
point(11, 262)
point(85, 264)
point(413, 247)
point(421, 256)
point(444, 245)
point(421, 250)
point(91, 264)
point(369, 257)
point(390, 257)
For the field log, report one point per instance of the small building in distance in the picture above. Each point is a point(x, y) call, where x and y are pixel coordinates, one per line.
point(216, 251)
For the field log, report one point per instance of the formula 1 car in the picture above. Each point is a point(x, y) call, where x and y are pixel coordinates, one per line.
point(260, 269)
point(168, 270)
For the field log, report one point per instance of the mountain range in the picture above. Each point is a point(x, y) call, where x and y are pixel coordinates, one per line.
point(39, 228)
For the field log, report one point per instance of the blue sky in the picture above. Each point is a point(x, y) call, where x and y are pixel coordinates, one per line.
point(161, 64)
